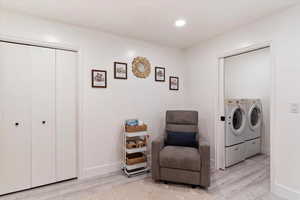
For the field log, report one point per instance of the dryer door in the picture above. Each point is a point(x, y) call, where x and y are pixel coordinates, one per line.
point(254, 116)
point(238, 120)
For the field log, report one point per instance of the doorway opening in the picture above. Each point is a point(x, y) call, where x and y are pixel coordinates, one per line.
point(244, 107)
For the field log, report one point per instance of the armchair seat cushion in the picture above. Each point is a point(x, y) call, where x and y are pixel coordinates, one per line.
point(176, 157)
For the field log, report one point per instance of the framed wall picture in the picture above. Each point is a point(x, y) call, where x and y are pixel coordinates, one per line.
point(99, 79)
point(174, 83)
point(120, 70)
point(160, 74)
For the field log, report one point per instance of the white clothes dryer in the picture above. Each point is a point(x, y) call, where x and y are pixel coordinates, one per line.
point(253, 127)
point(254, 119)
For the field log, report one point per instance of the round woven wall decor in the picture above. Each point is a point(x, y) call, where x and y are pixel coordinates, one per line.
point(141, 67)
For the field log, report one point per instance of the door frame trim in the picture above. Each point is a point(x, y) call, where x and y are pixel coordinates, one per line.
point(219, 141)
point(79, 89)
point(43, 44)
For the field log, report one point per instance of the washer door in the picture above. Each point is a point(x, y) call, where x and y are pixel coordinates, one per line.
point(254, 117)
point(238, 120)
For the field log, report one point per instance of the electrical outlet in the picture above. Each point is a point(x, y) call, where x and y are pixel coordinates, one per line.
point(294, 108)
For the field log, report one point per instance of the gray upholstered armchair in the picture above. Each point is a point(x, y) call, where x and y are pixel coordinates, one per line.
point(177, 163)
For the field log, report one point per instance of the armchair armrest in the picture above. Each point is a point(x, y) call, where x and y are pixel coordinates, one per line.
point(157, 146)
point(204, 150)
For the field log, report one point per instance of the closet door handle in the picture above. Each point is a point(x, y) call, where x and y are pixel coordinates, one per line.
point(43, 122)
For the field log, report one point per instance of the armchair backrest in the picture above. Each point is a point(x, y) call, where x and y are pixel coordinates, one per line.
point(182, 121)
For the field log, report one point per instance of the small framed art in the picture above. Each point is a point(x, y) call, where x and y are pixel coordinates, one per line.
point(174, 83)
point(120, 70)
point(160, 74)
point(99, 79)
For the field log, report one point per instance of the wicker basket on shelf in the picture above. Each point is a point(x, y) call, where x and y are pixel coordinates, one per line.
point(131, 144)
point(135, 158)
point(141, 143)
point(136, 128)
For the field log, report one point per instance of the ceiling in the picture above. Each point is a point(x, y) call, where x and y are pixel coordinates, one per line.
point(153, 20)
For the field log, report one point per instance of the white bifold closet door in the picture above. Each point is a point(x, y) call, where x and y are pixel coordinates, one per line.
point(43, 115)
point(37, 116)
point(53, 116)
point(15, 117)
point(66, 76)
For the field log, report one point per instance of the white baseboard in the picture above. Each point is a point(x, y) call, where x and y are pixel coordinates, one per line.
point(285, 192)
point(101, 170)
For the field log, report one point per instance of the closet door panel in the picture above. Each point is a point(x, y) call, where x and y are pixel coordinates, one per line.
point(15, 117)
point(43, 116)
point(66, 137)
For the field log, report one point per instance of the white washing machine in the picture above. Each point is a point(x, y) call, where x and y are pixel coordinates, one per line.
point(234, 132)
point(235, 122)
point(253, 127)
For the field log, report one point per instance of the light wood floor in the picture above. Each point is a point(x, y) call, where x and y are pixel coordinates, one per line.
point(248, 180)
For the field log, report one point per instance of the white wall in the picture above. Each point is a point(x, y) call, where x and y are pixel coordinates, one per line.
point(248, 76)
point(103, 111)
point(283, 30)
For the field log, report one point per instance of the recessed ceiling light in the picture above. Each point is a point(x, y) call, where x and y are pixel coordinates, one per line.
point(180, 23)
